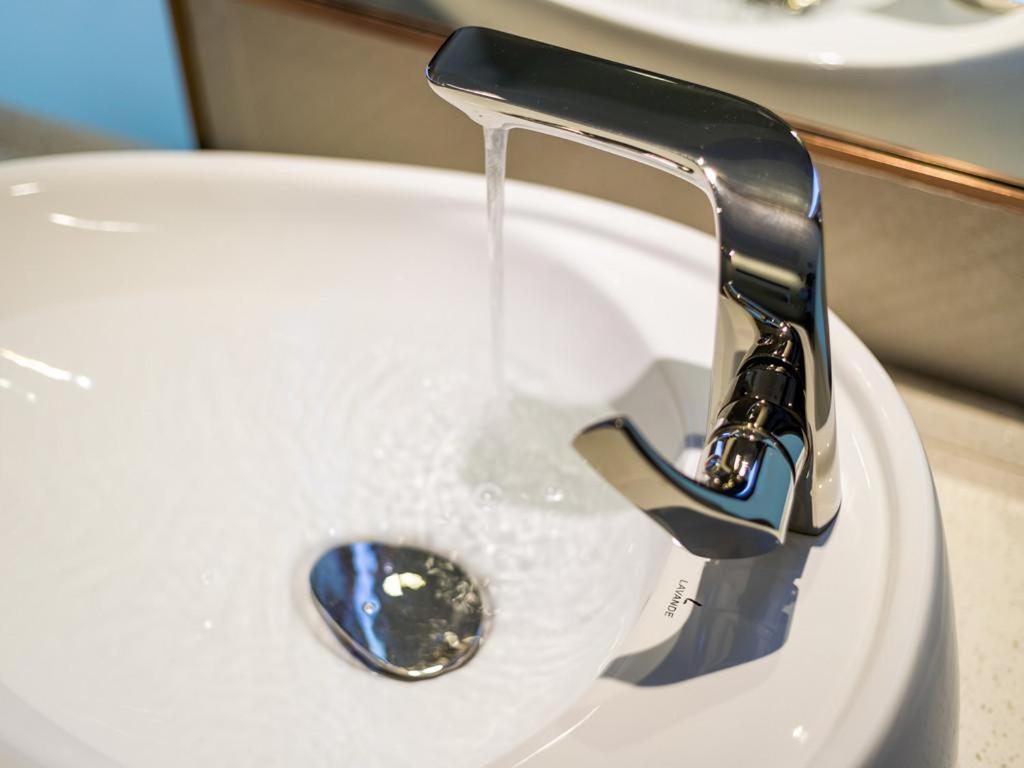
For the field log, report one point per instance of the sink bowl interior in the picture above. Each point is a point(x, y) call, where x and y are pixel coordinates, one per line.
point(214, 367)
point(207, 385)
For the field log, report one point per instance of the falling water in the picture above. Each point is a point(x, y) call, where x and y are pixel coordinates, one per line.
point(495, 145)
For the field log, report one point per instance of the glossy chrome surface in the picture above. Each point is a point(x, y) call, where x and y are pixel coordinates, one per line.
point(769, 463)
point(403, 611)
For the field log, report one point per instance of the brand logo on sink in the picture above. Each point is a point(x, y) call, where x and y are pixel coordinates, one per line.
point(679, 599)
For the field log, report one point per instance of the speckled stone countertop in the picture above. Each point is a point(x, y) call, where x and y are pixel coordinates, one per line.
point(976, 450)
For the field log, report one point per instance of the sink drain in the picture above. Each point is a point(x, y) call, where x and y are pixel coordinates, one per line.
point(402, 611)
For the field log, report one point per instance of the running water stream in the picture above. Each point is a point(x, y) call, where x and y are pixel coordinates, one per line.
point(495, 146)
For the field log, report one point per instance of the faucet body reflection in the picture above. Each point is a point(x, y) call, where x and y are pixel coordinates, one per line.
point(769, 462)
point(741, 612)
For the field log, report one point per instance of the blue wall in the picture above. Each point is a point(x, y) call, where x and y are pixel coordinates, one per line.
point(110, 66)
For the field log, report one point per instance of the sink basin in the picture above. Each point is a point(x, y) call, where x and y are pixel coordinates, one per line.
point(215, 366)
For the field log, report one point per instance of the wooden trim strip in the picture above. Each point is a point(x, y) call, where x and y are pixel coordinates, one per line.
point(808, 126)
point(358, 14)
point(916, 167)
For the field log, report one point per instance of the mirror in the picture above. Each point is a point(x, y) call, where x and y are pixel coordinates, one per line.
point(935, 81)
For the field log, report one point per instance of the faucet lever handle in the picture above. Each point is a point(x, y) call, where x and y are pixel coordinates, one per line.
point(740, 509)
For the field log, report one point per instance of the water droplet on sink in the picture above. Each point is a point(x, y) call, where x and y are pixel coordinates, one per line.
point(553, 493)
point(488, 495)
point(403, 611)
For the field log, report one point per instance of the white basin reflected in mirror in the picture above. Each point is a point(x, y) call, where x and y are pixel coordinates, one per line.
point(832, 34)
point(216, 366)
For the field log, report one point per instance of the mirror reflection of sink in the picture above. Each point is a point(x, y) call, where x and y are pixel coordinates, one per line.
point(215, 366)
point(831, 34)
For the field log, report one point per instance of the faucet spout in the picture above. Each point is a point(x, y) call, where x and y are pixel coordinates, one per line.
point(769, 463)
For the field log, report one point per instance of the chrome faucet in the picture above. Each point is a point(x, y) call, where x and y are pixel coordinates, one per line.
point(769, 463)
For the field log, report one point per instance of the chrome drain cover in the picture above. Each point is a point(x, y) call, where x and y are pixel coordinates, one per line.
point(402, 611)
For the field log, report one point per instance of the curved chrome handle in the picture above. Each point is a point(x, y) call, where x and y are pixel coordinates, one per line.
point(771, 343)
point(746, 514)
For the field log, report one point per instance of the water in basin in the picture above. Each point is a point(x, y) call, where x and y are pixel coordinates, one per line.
point(214, 368)
point(252, 377)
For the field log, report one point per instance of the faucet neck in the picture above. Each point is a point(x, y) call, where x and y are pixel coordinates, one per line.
point(762, 187)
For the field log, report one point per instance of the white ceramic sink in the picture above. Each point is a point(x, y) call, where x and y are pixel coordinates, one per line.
point(214, 366)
